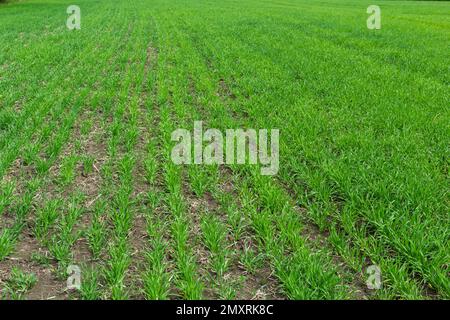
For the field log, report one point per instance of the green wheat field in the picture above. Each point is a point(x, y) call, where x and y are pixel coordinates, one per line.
point(87, 180)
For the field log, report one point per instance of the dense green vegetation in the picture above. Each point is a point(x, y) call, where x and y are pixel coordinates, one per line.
point(86, 118)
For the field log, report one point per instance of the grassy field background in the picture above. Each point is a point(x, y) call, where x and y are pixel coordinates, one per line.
point(86, 175)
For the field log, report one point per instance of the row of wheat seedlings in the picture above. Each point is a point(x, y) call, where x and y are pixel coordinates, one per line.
point(49, 145)
point(283, 255)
